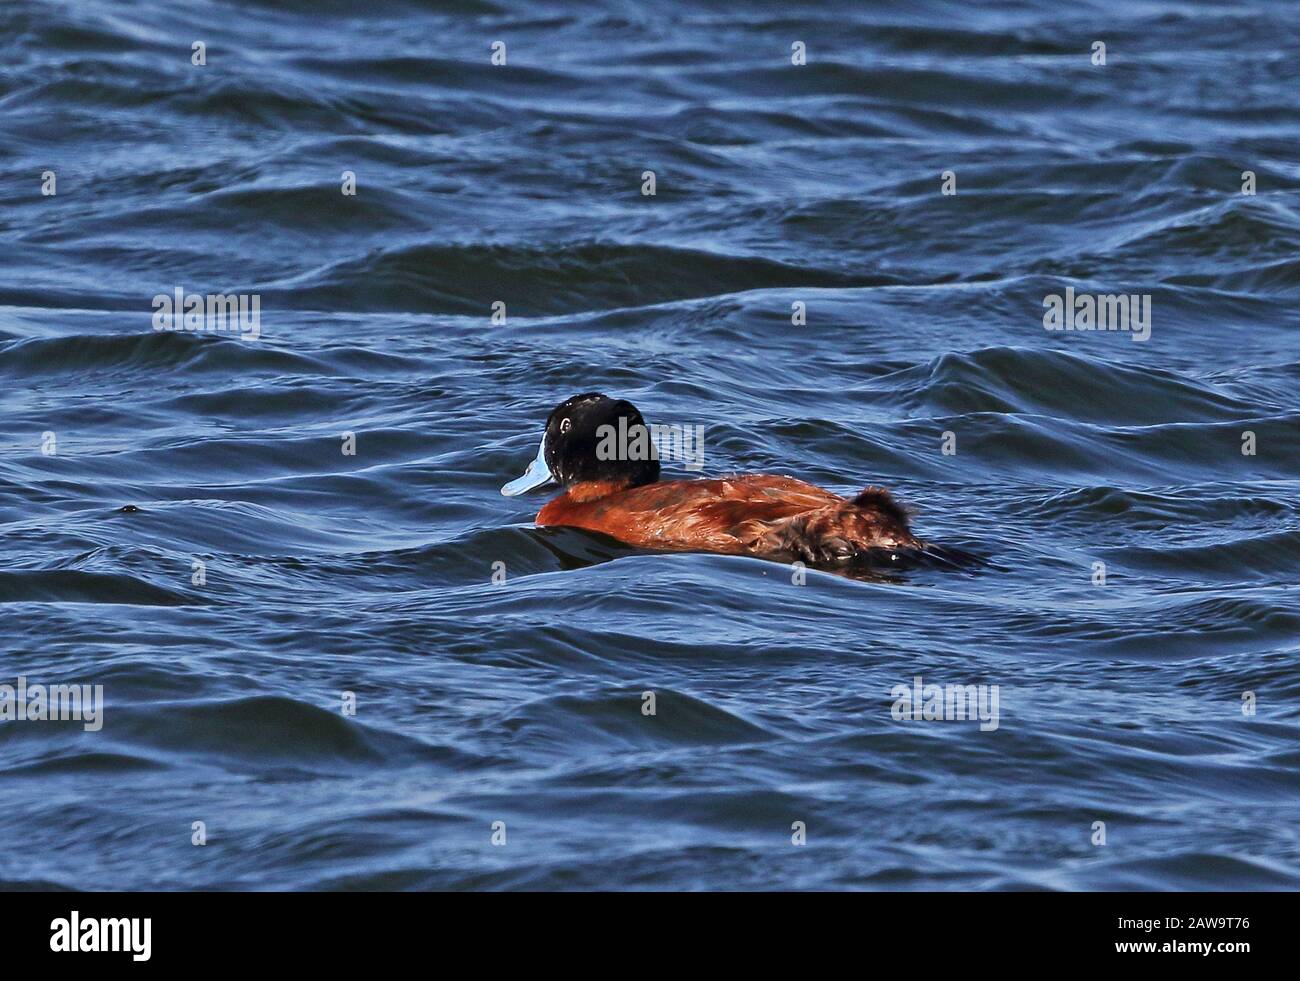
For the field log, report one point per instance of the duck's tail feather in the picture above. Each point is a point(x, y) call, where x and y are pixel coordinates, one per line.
point(884, 502)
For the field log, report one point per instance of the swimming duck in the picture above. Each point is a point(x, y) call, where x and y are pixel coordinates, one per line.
point(618, 493)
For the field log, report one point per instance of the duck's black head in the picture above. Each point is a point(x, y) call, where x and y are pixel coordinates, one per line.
point(592, 438)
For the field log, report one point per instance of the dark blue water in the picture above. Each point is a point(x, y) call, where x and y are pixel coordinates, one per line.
point(521, 702)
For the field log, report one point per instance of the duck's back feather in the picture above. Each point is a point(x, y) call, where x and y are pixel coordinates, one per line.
point(759, 514)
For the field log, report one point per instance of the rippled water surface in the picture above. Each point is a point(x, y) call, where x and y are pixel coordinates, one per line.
point(482, 702)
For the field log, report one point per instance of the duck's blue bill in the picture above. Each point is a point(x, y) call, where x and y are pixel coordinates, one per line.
point(537, 474)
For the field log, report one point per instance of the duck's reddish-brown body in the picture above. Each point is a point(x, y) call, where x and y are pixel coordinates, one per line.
point(759, 515)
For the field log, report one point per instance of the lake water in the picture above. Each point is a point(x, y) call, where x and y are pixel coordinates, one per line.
point(183, 525)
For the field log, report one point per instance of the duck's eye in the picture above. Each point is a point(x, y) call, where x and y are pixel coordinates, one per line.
point(566, 425)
